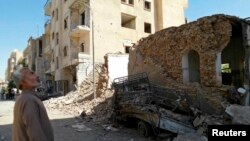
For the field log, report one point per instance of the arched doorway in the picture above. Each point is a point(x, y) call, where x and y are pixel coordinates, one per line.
point(191, 67)
point(232, 59)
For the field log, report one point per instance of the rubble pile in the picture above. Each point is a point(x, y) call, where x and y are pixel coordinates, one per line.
point(82, 101)
point(161, 56)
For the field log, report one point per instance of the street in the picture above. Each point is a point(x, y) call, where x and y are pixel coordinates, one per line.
point(69, 128)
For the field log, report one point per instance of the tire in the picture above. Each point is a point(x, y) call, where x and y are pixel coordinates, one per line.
point(144, 129)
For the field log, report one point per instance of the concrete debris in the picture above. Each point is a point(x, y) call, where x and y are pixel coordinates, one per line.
point(239, 114)
point(190, 137)
point(82, 100)
point(110, 128)
point(198, 120)
point(81, 127)
point(163, 54)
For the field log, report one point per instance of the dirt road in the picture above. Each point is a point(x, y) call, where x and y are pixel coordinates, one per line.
point(65, 128)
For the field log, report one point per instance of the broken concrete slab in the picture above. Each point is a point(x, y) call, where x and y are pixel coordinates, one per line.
point(239, 114)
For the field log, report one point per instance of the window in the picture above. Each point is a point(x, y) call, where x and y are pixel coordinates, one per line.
point(131, 2)
point(83, 18)
point(56, 14)
point(225, 68)
point(66, 23)
point(127, 49)
point(147, 28)
point(82, 47)
point(57, 62)
point(53, 36)
point(57, 38)
point(53, 14)
point(128, 21)
point(128, 2)
point(53, 56)
point(40, 52)
point(147, 5)
point(65, 51)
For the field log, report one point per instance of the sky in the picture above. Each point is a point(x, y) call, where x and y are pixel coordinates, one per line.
point(20, 20)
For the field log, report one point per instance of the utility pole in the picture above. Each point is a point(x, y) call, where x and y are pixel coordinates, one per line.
point(93, 47)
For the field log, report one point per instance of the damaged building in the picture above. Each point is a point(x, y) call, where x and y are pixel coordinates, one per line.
point(212, 52)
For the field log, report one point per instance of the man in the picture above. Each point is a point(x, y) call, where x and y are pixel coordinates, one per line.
point(31, 122)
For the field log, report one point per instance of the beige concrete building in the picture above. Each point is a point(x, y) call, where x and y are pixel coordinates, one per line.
point(80, 32)
point(14, 59)
point(34, 57)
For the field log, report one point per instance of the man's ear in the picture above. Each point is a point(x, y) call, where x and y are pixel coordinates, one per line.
point(23, 82)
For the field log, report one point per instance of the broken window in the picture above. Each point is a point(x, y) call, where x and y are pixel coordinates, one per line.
point(128, 21)
point(191, 67)
point(147, 5)
point(147, 27)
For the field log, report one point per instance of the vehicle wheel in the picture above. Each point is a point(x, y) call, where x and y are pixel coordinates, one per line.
point(144, 129)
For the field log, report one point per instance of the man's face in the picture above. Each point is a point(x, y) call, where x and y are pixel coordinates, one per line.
point(30, 79)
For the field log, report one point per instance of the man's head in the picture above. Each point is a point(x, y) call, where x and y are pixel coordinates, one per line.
point(25, 79)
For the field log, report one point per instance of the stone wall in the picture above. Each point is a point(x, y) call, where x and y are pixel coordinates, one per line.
point(163, 51)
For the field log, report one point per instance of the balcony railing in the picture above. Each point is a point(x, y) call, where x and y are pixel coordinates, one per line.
point(79, 30)
point(79, 57)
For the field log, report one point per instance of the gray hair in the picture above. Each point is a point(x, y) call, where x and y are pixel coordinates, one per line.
point(18, 77)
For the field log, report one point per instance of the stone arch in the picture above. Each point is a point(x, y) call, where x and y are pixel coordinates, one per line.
point(233, 59)
point(191, 67)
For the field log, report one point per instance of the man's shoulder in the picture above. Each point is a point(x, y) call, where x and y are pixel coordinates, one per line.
point(26, 98)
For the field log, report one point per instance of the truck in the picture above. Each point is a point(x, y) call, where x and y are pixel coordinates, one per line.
point(153, 108)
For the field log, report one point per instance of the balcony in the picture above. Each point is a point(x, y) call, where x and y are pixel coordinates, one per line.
point(79, 30)
point(79, 57)
point(47, 8)
point(47, 26)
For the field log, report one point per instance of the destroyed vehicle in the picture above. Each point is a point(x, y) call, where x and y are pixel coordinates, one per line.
point(153, 108)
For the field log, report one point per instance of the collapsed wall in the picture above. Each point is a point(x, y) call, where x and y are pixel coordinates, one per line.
point(165, 49)
point(162, 55)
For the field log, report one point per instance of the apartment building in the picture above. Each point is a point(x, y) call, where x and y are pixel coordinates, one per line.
point(13, 61)
point(80, 32)
point(33, 57)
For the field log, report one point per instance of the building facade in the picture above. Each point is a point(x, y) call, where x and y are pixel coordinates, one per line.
point(33, 57)
point(185, 55)
point(79, 33)
point(13, 61)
